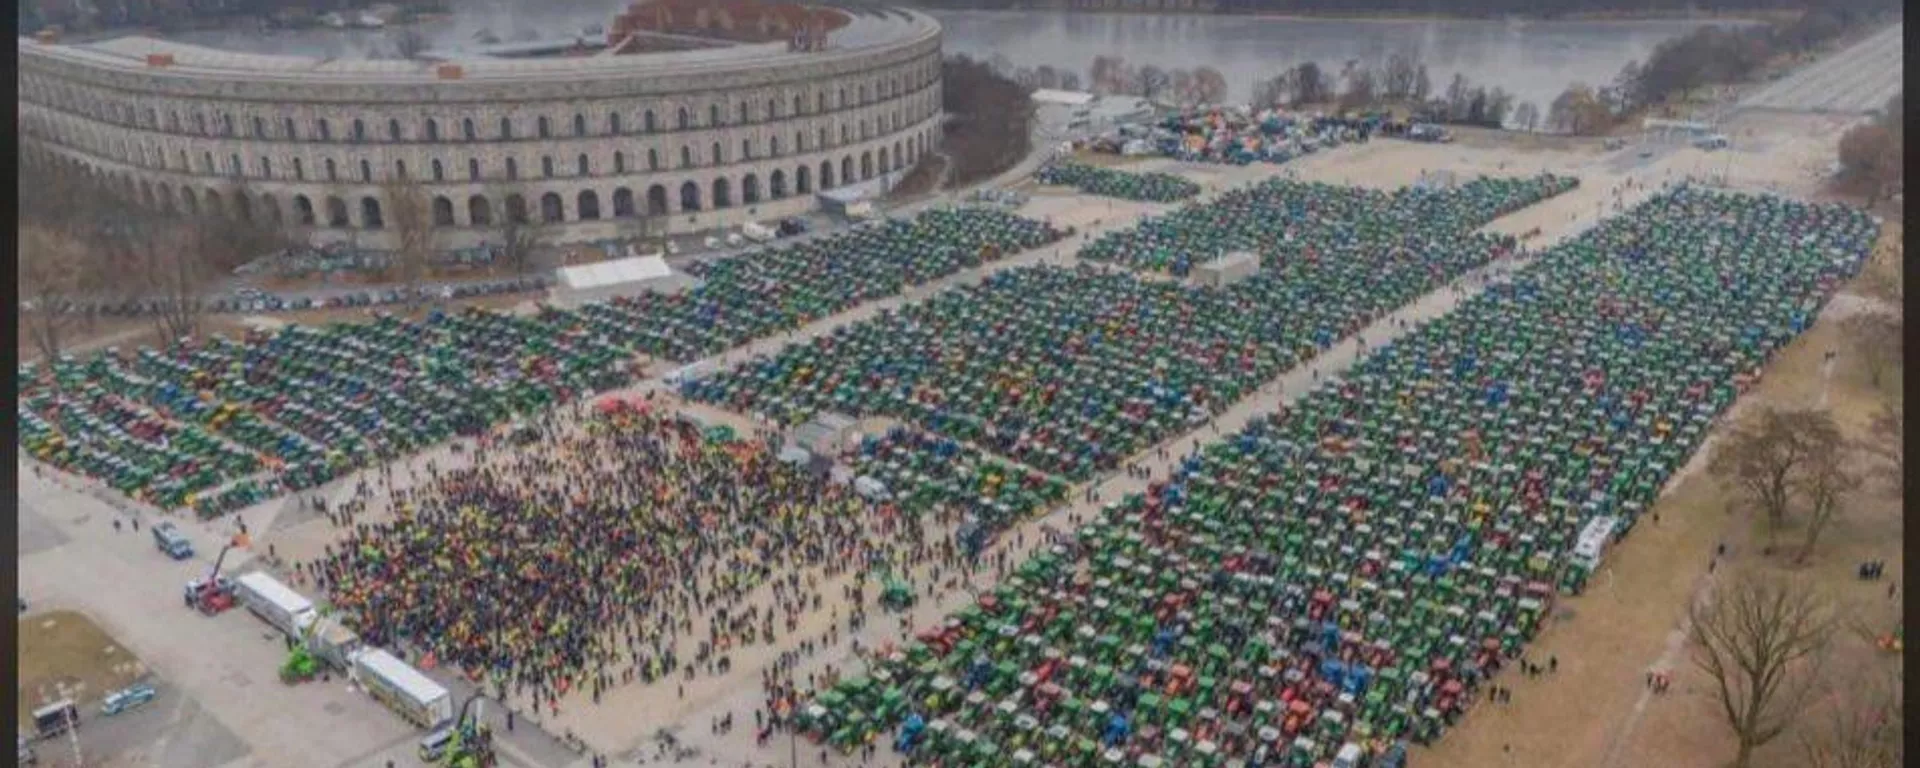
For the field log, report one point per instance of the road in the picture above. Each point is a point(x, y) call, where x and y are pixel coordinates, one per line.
point(1856, 80)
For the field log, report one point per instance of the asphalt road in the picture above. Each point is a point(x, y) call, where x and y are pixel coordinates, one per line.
point(1856, 80)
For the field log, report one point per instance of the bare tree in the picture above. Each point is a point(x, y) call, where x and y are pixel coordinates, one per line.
point(1825, 481)
point(1876, 336)
point(1765, 452)
point(409, 216)
point(53, 272)
point(1360, 86)
point(1422, 85)
point(1761, 638)
point(1864, 728)
point(1396, 82)
point(520, 237)
point(1886, 441)
point(1108, 74)
point(408, 42)
point(172, 261)
point(1311, 85)
point(1527, 116)
point(1459, 97)
point(1209, 86)
point(1154, 81)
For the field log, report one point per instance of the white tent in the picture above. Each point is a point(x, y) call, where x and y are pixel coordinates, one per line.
point(606, 279)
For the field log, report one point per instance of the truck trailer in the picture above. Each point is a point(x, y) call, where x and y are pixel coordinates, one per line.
point(275, 602)
point(333, 642)
point(403, 689)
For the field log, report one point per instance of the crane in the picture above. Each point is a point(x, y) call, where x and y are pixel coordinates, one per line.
point(212, 594)
point(472, 744)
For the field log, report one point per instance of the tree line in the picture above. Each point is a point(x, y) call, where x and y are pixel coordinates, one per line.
point(1873, 157)
point(1706, 57)
point(989, 124)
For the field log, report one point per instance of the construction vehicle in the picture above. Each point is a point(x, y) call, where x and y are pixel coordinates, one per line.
point(471, 742)
point(214, 593)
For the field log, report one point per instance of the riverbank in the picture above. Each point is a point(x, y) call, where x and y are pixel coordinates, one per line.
point(1208, 8)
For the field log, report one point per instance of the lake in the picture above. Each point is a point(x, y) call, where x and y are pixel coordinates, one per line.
point(1534, 59)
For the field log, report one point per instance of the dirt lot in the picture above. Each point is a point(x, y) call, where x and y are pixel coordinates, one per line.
point(64, 649)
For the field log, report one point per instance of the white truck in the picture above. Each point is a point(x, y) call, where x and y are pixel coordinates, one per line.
point(403, 689)
point(275, 602)
point(757, 232)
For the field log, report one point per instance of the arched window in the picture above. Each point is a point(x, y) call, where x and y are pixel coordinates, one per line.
point(513, 169)
point(288, 127)
point(233, 165)
point(259, 128)
point(266, 167)
point(799, 141)
point(773, 110)
point(370, 214)
point(717, 158)
point(516, 209)
point(647, 121)
point(656, 200)
point(683, 118)
point(821, 102)
point(433, 134)
point(686, 157)
point(623, 203)
point(619, 162)
point(326, 131)
point(713, 115)
point(506, 128)
point(613, 123)
point(585, 168)
point(393, 129)
point(863, 94)
point(653, 159)
point(750, 189)
point(545, 131)
point(466, 128)
point(689, 196)
point(822, 143)
point(746, 149)
point(366, 171)
point(299, 170)
point(359, 130)
point(442, 212)
point(552, 210)
point(743, 113)
point(773, 146)
point(586, 205)
point(439, 171)
point(479, 213)
point(399, 169)
point(226, 124)
point(841, 101)
point(473, 169)
point(579, 124)
point(722, 194)
point(336, 212)
point(797, 102)
point(546, 166)
point(303, 210)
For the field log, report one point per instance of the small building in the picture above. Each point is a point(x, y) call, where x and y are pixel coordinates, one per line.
point(1063, 98)
point(828, 434)
point(1227, 270)
point(619, 277)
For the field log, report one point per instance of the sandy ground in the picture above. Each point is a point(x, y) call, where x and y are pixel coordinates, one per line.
point(63, 654)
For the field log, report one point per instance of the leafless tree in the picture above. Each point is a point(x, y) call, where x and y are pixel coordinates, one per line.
point(1864, 728)
point(1877, 336)
point(1396, 81)
point(1154, 81)
point(1209, 86)
point(1824, 482)
point(1762, 640)
point(173, 260)
point(1360, 87)
point(53, 273)
point(1422, 85)
point(1767, 450)
point(1886, 442)
point(520, 238)
point(1527, 116)
point(409, 216)
point(408, 42)
point(1108, 74)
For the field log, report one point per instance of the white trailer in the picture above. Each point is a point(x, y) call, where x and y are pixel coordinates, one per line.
point(403, 689)
point(275, 602)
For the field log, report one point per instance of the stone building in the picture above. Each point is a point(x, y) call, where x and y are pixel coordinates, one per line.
point(588, 143)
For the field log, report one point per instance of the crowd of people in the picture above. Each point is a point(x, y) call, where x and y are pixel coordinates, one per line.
point(594, 548)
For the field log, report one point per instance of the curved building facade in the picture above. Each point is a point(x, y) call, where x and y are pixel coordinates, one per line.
point(584, 144)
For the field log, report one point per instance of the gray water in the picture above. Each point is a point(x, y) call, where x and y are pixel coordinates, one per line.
point(1535, 60)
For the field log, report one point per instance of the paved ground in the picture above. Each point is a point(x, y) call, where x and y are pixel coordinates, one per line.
point(1857, 80)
